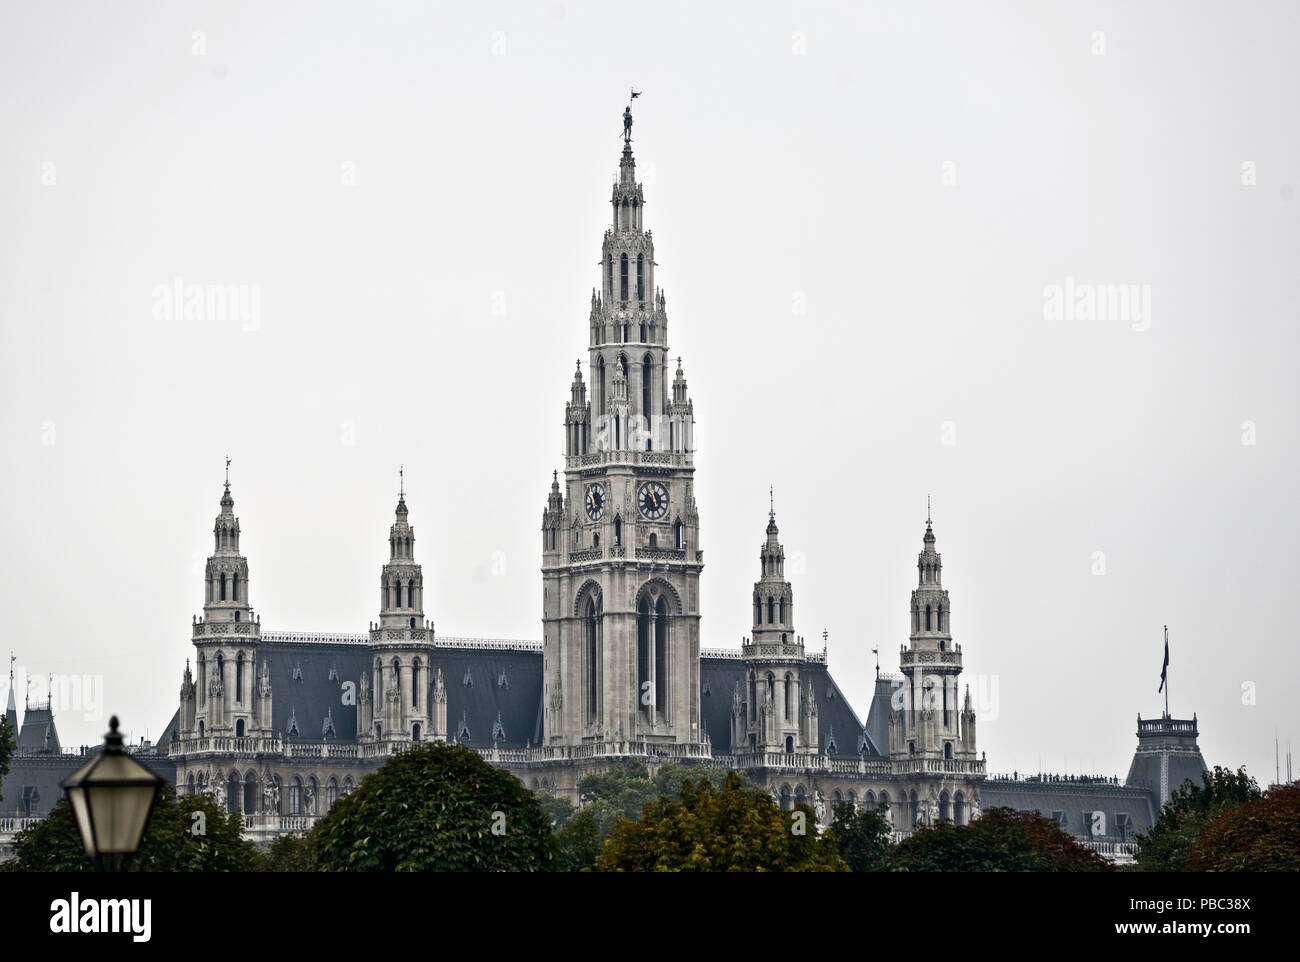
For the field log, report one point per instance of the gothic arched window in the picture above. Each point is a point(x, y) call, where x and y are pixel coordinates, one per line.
point(677, 531)
point(927, 617)
point(640, 284)
point(223, 586)
point(622, 282)
point(295, 796)
point(644, 642)
point(654, 540)
point(781, 611)
point(410, 589)
point(331, 792)
point(661, 656)
point(789, 694)
point(415, 682)
point(647, 375)
point(234, 587)
point(771, 607)
point(593, 658)
point(600, 383)
point(239, 677)
point(618, 531)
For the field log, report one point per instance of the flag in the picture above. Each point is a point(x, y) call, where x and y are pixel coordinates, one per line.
point(1164, 668)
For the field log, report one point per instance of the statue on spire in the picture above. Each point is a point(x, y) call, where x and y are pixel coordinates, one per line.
point(627, 125)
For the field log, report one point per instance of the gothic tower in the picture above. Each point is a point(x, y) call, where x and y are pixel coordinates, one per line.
point(620, 543)
point(396, 701)
point(931, 723)
point(774, 715)
point(931, 737)
point(224, 699)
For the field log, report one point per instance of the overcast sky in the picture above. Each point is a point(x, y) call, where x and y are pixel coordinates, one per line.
point(863, 220)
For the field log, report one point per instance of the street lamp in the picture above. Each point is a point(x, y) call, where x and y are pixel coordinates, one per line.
point(112, 796)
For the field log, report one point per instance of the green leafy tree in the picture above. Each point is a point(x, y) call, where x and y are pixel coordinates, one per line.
point(671, 777)
point(624, 790)
point(1187, 814)
point(1261, 835)
point(435, 808)
point(185, 833)
point(862, 836)
point(731, 829)
point(1002, 840)
point(620, 793)
point(291, 853)
point(578, 843)
point(558, 810)
point(8, 742)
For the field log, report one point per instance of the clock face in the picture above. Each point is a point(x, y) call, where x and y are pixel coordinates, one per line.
point(653, 500)
point(595, 501)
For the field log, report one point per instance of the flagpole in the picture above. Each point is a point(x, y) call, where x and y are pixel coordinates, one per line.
point(1166, 672)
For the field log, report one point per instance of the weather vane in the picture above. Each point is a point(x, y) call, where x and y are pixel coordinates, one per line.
point(227, 470)
point(627, 117)
point(401, 482)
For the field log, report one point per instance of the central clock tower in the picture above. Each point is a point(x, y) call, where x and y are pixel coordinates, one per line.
point(621, 557)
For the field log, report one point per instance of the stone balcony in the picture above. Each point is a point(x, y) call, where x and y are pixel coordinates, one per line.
point(400, 636)
point(223, 630)
point(778, 651)
point(910, 659)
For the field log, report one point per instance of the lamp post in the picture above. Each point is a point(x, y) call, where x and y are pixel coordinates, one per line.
point(112, 796)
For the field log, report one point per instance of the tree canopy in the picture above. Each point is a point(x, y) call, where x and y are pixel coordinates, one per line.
point(435, 808)
point(1002, 840)
point(731, 828)
point(8, 741)
point(862, 836)
point(1188, 813)
point(185, 833)
point(1260, 835)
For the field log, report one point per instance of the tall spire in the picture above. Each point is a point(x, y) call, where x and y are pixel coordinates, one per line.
point(227, 502)
point(11, 706)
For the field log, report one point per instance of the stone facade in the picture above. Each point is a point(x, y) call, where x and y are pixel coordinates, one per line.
point(622, 673)
point(281, 724)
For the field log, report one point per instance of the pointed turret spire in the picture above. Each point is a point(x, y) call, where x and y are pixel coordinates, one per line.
point(401, 583)
point(11, 706)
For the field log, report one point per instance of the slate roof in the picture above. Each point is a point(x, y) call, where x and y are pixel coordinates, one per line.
point(1072, 800)
point(496, 689)
point(38, 732)
point(836, 719)
point(32, 785)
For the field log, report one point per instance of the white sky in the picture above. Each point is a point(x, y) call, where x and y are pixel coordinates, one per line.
point(483, 145)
